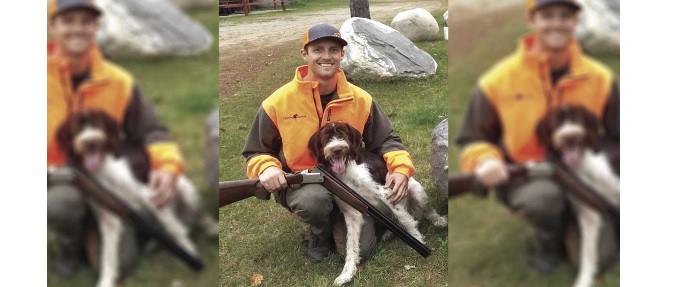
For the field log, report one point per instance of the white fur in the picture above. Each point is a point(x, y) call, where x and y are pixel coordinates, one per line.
point(87, 134)
point(357, 177)
point(595, 171)
point(567, 129)
point(116, 176)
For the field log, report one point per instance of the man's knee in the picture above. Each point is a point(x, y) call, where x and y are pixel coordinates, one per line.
point(65, 206)
point(538, 201)
point(310, 202)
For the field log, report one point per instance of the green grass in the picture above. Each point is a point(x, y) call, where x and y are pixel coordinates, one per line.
point(183, 91)
point(261, 236)
point(487, 243)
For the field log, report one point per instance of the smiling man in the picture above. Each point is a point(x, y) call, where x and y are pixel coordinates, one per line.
point(79, 78)
point(277, 142)
point(547, 70)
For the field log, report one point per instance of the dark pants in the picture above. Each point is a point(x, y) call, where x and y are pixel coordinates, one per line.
point(544, 205)
point(67, 212)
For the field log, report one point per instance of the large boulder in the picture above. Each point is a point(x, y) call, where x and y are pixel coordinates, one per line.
point(416, 24)
point(378, 52)
point(598, 29)
point(149, 28)
point(439, 156)
point(211, 134)
point(194, 4)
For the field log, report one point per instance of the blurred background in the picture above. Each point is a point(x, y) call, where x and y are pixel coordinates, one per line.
point(487, 243)
point(169, 49)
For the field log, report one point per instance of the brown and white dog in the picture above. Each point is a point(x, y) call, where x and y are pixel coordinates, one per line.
point(570, 134)
point(90, 138)
point(337, 146)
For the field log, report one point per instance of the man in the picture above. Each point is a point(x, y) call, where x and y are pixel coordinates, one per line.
point(547, 70)
point(79, 78)
point(319, 94)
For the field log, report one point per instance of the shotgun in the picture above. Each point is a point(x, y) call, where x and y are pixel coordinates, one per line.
point(93, 189)
point(236, 190)
point(232, 191)
point(459, 184)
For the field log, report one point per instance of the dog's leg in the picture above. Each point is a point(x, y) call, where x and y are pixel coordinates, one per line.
point(354, 222)
point(172, 224)
point(110, 227)
point(421, 199)
point(590, 223)
point(193, 203)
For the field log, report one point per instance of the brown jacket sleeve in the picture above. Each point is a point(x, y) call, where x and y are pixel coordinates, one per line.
point(142, 128)
point(263, 145)
point(610, 122)
point(480, 133)
point(379, 137)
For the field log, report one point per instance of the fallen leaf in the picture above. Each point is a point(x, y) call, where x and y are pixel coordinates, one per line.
point(255, 279)
point(408, 267)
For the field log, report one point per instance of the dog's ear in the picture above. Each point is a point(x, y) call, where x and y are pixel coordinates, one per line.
point(544, 130)
point(112, 131)
point(314, 145)
point(356, 139)
point(592, 126)
point(65, 136)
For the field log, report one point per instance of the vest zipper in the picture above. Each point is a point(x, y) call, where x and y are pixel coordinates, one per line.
point(316, 109)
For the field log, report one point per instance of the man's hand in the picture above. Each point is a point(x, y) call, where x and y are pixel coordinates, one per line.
point(273, 179)
point(400, 189)
point(492, 172)
point(164, 185)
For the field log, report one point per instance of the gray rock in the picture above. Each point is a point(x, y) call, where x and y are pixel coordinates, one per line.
point(378, 52)
point(445, 17)
point(211, 137)
point(439, 156)
point(149, 28)
point(416, 24)
point(598, 29)
point(194, 4)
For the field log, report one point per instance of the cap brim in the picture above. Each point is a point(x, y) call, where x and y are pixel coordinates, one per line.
point(91, 9)
point(576, 7)
point(337, 39)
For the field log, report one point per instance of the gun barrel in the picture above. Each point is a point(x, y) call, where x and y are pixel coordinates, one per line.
point(378, 215)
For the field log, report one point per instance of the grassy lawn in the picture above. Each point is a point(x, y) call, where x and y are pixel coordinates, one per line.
point(183, 91)
point(262, 237)
point(487, 243)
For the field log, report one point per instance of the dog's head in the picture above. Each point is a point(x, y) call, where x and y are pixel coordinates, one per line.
point(334, 145)
point(566, 132)
point(87, 137)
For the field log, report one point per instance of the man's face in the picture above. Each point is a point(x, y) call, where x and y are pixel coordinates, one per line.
point(74, 31)
point(553, 26)
point(323, 57)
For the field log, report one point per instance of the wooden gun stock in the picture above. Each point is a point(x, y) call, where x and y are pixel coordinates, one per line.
point(462, 183)
point(236, 190)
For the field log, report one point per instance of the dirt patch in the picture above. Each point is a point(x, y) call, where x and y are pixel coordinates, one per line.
point(246, 47)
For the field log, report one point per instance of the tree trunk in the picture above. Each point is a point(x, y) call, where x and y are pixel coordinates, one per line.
point(359, 8)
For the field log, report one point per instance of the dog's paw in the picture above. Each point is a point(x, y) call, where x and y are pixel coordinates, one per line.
point(440, 221)
point(342, 280)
